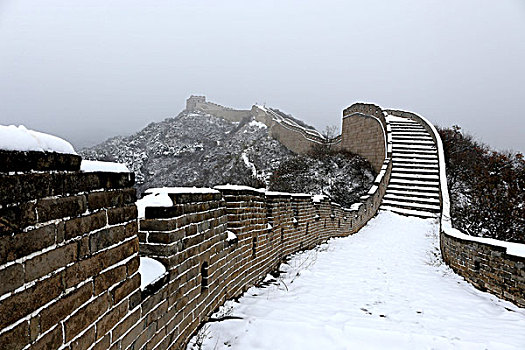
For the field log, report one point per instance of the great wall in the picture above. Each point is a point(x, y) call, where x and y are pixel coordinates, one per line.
point(70, 241)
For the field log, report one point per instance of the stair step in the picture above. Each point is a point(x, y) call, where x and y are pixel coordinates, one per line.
point(414, 155)
point(396, 134)
point(415, 166)
point(412, 199)
point(414, 147)
point(415, 170)
point(409, 212)
point(413, 193)
point(413, 142)
point(425, 189)
point(415, 183)
point(407, 127)
point(413, 160)
point(402, 124)
point(413, 151)
point(414, 176)
point(408, 205)
point(412, 137)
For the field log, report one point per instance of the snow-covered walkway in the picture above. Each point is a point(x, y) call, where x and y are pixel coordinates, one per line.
point(382, 288)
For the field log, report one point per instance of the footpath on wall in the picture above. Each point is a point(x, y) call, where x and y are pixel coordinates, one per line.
point(384, 287)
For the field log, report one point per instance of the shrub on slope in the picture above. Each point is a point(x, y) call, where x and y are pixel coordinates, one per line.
point(487, 188)
point(341, 175)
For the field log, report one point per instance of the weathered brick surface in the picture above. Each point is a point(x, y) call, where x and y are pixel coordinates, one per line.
point(41, 161)
point(86, 316)
point(48, 262)
point(23, 303)
point(65, 306)
point(16, 338)
point(11, 278)
point(63, 274)
point(487, 267)
point(57, 208)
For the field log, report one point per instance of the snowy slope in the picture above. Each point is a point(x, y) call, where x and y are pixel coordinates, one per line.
point(383, 288)
point(194, 149)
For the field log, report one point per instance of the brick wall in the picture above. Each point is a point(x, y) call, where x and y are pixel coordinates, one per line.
point(488, 267)
point(205, 268)
point(68, 252)
point(364, 133)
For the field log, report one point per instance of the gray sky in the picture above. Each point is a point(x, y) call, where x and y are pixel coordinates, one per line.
point(88, 70)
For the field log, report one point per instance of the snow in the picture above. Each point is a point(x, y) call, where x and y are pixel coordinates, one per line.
point(255, 123)
point(249, 164)
point(89, 166)
point(18, 138)
point(319, 198)
point(393, 118)
point(382, 288)
point(181, 190)
point(230, 236)
point(153, 200)
point(150, 270)
point(235, 188)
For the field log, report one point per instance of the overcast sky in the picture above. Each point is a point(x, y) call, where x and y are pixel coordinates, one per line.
point(88, 70)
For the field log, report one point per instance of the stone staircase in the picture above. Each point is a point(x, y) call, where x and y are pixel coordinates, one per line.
point(414, 184)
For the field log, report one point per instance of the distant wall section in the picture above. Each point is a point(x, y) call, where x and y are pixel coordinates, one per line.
point(364, 133)
point(199, 103)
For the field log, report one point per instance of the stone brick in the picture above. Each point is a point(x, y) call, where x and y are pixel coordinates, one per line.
point(51, 340)
point(93, 265)
point(48, 262)
point(82, 182)
point(57, 208)
point(85, 224)
point(121, 215)
point(125, 325)
point(103, 344)
point(16, 338)
point(132, 335)
point(109, 278)
point(12, 277)
point(108, 321)
point(110, 236)
point(34, 328)
point(23, 303)
point(84, 317)
point(132, 266)
point(164, 212)
point(65, 306)
point(85, 340)
point(126, 288)
point(108, 199)
point(41, 161)
point(15, 218)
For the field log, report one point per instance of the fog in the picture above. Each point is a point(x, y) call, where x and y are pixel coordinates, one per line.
point(89, 70)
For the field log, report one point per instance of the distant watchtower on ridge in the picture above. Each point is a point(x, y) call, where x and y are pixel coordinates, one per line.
point(192, 101)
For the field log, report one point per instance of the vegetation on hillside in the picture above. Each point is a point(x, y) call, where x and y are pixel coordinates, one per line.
point(341, 175)
point(487, 188)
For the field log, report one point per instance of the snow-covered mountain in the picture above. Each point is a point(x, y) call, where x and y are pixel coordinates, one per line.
point(195, 149)
point(199, 149)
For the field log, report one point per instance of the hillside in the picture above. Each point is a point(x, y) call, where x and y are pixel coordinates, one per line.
point(200, 149)
point(195, 149)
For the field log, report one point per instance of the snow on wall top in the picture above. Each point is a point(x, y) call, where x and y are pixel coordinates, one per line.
point(181, 190)
point(152, 200)
point(19, 138)
point(89, 166)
